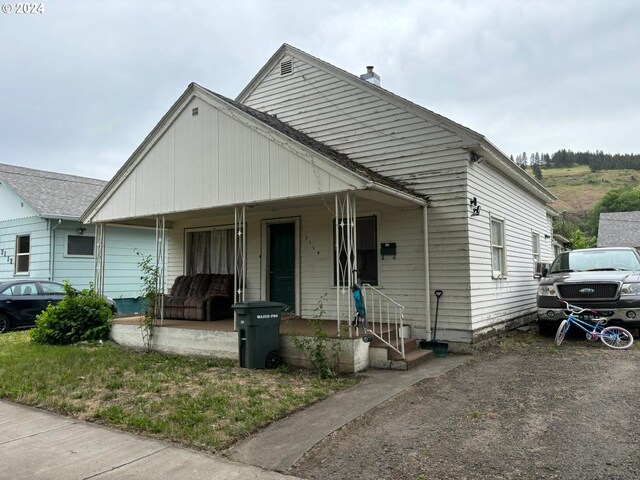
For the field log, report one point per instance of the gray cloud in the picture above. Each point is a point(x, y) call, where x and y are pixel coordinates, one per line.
point(83, 83)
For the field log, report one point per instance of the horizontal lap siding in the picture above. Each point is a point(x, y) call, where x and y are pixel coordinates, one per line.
point(497, 300)
point(394, 142)
point(39, 240)
point(401, 278)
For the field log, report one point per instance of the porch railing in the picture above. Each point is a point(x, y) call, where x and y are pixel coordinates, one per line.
point(385, 318)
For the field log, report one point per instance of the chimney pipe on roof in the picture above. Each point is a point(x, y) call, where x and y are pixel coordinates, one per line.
point(370, 76)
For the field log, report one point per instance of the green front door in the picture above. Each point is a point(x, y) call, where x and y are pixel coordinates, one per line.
point(282, 263)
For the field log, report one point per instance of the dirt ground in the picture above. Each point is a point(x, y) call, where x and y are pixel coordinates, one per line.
point(521, 408)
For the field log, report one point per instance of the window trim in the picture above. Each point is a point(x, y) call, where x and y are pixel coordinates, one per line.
point(75, 255)
point(502, 274)
point(17, 254)
point(535, 246)
point(185, 239)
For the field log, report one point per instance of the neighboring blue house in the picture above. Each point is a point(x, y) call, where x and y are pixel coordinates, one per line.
point(41, 236)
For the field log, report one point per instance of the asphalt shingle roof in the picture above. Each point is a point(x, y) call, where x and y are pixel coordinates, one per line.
point(52, 194)
point(619, 229)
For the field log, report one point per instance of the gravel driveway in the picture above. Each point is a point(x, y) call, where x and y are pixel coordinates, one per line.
point(522, 408)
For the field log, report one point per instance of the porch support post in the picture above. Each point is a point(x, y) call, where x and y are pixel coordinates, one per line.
point(239, 283)
point(346, 248)
point(160, 265)
point(427, 300)
point(98, 261)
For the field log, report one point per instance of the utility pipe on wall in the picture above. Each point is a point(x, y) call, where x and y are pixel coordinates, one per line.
point(52, 249)
point(427, 299)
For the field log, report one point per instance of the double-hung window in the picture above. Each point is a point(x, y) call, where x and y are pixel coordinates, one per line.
point(23, 252)
point(498, 254)
point(535, 246)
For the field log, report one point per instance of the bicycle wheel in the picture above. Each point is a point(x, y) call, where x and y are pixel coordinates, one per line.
point(562, 331)
point(616, 337)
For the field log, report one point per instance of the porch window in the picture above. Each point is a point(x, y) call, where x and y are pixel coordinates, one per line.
point(23, 252)
point(80, 245)
point(210, 251)
point(498, 257)
point(366, 241)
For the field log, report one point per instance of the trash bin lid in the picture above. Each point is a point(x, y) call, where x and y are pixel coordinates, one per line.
point(258, 304)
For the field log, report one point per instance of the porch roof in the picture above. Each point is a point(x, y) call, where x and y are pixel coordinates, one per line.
point(210, 152)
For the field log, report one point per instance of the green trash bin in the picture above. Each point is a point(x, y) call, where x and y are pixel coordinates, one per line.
point(258, 333)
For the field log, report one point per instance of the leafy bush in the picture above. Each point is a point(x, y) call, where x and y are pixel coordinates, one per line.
point(79, 316)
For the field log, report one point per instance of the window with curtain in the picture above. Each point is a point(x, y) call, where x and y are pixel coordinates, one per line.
point(210, 251)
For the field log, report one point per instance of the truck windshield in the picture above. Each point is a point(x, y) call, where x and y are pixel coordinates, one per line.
point(595, 260)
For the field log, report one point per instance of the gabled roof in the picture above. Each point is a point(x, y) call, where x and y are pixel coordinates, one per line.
point(472, 140)
point(619, 229)
point(318, 147)
point(342, 162)
point(50, 194)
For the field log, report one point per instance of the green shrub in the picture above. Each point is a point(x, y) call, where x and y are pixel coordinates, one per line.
point(79, 316)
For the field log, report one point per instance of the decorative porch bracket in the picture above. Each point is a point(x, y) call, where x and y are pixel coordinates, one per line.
point(346, 258)
point(160, 265)
point(239, 284)
point(98, 261)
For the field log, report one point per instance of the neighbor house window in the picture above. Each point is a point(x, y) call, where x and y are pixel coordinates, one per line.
point(80, 245)
point(535, 245)
point(210, 251)
point(366, 241)
point(23, 249)
point(498, 257)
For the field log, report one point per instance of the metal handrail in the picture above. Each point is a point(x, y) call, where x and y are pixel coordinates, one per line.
point(377, 318)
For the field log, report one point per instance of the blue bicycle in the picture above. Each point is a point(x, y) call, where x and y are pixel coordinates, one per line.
point(613, 337)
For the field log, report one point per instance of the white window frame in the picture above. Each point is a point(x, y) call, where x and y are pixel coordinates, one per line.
point(73, 255)
point(501, 246)
point(19, 254)
point(378, 217)
point(535, 247)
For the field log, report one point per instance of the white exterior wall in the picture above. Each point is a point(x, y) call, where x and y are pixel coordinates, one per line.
point(421, 154)
point(216, 158)
point(496, 300)
point(402, 279)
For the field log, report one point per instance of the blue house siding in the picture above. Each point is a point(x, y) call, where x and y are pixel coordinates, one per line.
point(38, 230)
point(12, 206)
point(121, 273)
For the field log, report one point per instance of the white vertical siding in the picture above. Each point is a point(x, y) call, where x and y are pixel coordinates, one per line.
point(219, 157)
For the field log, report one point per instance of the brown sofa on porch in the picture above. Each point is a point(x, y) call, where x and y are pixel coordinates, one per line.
point(204, 296)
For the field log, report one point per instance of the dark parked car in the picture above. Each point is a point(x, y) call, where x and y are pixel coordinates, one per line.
point(606, 280)
point(22, 300)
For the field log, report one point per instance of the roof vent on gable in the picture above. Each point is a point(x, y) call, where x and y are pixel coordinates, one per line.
point(286, 67)
point(370, 76)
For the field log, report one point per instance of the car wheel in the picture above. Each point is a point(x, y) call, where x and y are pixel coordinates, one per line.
point(547, 329)
point(5, 325)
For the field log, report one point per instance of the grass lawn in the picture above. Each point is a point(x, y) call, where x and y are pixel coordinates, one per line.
point(197, 402)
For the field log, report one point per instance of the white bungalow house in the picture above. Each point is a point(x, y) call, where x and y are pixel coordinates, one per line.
point(307, 150)
point(42, 238)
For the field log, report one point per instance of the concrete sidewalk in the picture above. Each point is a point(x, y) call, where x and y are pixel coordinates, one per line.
point(280, 445)
point(40, 445)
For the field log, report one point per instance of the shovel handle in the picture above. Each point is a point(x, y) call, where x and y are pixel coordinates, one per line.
point(438, 293)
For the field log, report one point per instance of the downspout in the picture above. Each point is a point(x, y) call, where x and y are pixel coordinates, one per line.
point(52, 250)
point(427, 288)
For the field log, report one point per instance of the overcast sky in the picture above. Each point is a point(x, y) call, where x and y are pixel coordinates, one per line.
point(83, 83)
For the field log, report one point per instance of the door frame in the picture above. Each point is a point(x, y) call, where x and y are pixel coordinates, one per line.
point(264, 257)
